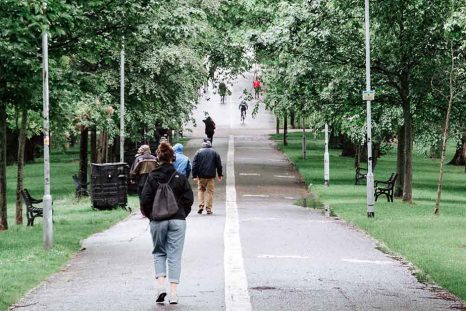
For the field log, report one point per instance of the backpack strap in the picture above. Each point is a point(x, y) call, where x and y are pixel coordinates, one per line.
point(169, 180)
point(172, 177)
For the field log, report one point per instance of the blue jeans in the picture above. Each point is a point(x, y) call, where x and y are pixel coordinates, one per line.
point(168, 240)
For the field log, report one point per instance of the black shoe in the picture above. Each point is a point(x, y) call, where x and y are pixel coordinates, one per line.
point(161, 296)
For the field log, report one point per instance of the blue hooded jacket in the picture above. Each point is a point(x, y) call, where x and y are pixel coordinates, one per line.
point(182, 163)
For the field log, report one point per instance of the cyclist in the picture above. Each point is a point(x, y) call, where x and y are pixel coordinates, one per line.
point(243, 106)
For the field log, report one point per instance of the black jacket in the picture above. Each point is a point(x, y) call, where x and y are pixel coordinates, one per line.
point(207, 163)
point(180, 186)
point(209, 126)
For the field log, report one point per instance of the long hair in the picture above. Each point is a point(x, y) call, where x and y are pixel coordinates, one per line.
point(165, 152)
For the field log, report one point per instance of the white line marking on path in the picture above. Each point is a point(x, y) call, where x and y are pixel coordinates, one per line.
point(249, 174)
point(282, 176)
point(256, 195)
point(375, 262)
point(283, 257)
point(236, 283)
point(230, 102)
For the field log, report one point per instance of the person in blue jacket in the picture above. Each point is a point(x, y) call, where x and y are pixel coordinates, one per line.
point(182, 163)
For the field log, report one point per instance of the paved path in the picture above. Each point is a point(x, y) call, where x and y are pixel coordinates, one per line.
point(257, 252)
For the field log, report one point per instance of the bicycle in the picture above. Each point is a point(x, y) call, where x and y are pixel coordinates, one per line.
point(243, 116)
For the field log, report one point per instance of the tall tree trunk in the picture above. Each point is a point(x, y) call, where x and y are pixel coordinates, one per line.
point(408, 167)
point(3, 206)
point(348, 147)
point(292, 119)
point(170, 136)
point(442, 155)
point(464, 152)
point(400, 162)
point(277, 129)
point(445, 131)
point(458, 159)
point(102, 148)
point(83, 151)
point(285, 130)
point(20, 172)
point(460, 155)
point(357, 155)
point(113, 154)
point(408, 141)
point(93, 144)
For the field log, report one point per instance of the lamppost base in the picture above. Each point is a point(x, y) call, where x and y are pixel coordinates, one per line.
point(370, 214)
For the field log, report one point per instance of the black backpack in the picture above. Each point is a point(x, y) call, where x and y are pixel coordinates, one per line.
point(165, 205)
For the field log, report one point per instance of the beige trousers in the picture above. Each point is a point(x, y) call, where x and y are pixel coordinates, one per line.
point(206, 185)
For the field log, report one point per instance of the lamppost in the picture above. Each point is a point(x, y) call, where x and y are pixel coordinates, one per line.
point(368, 96)
point(47, 198)
point(326, 159)
point(122, 104)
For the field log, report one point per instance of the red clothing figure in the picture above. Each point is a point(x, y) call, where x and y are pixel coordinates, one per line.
point(257, 88)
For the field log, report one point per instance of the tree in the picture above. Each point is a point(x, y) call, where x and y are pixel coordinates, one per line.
point(455, 84)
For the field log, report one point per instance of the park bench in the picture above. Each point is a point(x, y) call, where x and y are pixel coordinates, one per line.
point(81, 189)
point(361, 173)
point(385, 187)
point(31, 210)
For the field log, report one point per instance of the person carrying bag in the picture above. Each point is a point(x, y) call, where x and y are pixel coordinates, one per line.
point(166, 200)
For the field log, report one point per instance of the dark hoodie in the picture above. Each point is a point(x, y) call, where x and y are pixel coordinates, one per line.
point(179, 184)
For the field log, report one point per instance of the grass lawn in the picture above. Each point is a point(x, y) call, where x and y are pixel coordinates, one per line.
point(434, 244)
point(23, 262)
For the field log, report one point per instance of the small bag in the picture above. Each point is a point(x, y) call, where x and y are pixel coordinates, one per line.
point(165, 205)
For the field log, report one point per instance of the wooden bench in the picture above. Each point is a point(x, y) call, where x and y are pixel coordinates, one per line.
point(385, 187)
point(31, 211)
point(81, 189)
point(361, 174)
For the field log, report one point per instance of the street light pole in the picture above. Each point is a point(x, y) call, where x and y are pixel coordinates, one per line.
point(326, 159)
point(47, 199)
point(122, 105)
point(368, 96)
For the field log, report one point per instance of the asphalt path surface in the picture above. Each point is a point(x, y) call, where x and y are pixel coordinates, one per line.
point(257, 251)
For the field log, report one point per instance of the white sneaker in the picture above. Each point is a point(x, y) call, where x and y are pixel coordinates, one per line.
point(173, 300)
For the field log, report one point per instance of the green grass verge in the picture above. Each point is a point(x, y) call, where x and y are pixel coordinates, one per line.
point(434, 244)
point(23, 262)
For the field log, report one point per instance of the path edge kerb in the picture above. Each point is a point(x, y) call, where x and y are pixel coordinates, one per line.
point(415, 271)
point(67, 264)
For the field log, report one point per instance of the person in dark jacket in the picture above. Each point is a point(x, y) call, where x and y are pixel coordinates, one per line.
point(144, 163)
point(167, 235)
point(209, 127)
point(206, 166)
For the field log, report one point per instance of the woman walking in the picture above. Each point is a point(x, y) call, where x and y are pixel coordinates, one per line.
point(167, 235)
